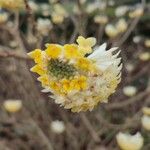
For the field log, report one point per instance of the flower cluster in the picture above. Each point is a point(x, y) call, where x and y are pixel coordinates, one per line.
point(12, 4)
point(114, 30)
point(12, 106)
point(77, 81)
point(146, 118)
point(130, 142)
point(3, 16)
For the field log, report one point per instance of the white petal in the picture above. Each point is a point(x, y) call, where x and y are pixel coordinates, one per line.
point(45, 90)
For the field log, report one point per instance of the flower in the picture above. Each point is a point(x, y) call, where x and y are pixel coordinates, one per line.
point(146, 122)
point(129, 90)
point(111, 2)
point(145, 56)
point(121, 25)
point(57, 126)
point(138, 12)
point(77, 81)
point(3, 17)
point(59, 9)
point(91, 7)
point(147, 43)
point(33, 6)
point(12, 106)
point(121, 10)
point(53, 1)
point(130, 142)
point(146, 110)
point(130, 67)
point(137, 39)
point(57, 19)
point(12, 4)
point(100, 19)
point(76, 10)
point(111, 30)
point(44, 26)
point(58, 14)
point(86, 44)
point(82, 1)
point(45, 9)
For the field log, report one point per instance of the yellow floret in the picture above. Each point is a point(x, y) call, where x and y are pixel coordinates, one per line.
point(56, 87)
point(66, 87)
point(85, 45)
point(85, 64)
point(83, 107)
point(146, 110)
point(53, 50)
point(12, 4)
point(36, 55)
point(12, 106)
point(79, 83)
point(71, 51)
point(44, 80)
point(38, 69)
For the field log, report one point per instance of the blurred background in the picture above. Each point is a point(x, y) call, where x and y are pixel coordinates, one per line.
point(29, 119)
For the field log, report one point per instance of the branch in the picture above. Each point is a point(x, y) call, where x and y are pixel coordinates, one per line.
point(127, 34)
point(44, 138)
point(132, 122)
point(88, 125)
point(131, 27)
point(118, 105)
point(14, 54)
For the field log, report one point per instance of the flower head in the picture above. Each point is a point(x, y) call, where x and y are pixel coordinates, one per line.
point(100, 19)
point(121, 25)
point(129, 90)
point(85, 45)
point(33, 6)
point(12, 4)
point(3, 16)
point(129, 142)
point(121, 10)
point(59, 14)
point(144, 56)
point(44, 26)
point(12, 105)
point(146, 110)
point(146, 122)
point(76, 81)
point(138, 12)
point(111, 30)
point(147, 43)
point(57, 126)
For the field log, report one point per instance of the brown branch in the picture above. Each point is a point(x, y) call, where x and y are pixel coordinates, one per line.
point(88, 125)
point(118, 105)
point(14, 54)
point(131, 28)
point(138, 74)
point(28, 9)
point(132, 122)
point(44, 138)
point(127, 33)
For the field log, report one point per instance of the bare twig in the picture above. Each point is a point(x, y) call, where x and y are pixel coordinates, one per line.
point(107, 124)
point(130, 101)
point(8, 53)
point(100, 34)
point(88, 125)
point(128, 32)
point(42, 135)
point(131, 27)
